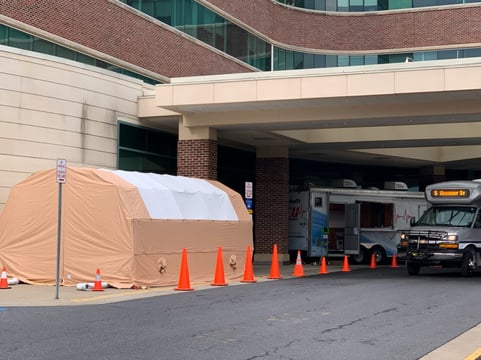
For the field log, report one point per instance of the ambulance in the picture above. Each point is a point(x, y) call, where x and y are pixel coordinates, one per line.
point(448, 234)
point(345, 220)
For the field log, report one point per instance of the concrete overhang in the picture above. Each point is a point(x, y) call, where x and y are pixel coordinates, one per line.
point(406, 114)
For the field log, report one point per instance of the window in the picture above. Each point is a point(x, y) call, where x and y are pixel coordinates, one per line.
point(19, 39)
point(43, 46)
point(343, 5)
point(146, 150)
point(356, 5)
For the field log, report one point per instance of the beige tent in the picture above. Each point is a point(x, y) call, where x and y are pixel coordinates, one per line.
point(132, 226)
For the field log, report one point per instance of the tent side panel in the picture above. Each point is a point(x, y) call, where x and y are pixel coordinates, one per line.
point(96, 232)
point(28, 230)
point(158, 247)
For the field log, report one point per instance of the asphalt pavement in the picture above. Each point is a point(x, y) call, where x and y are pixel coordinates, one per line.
point(463, 347)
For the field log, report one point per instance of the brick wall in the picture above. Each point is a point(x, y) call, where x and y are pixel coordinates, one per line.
point(113, 29)
point(197, 158)
point(271, 205)
point(368, 31)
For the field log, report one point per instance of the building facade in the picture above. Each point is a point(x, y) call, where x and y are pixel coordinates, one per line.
point(84, 81)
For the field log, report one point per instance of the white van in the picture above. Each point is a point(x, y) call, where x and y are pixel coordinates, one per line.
point(448, 234)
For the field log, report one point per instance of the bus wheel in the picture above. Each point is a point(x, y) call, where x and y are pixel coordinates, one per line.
point(360, 258)
point(413, 269)
point(467, 264)
point(379, 254)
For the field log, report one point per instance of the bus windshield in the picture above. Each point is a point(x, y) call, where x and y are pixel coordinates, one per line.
point(448, 216)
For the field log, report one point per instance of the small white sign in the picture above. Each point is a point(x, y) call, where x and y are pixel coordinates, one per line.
point(248, 190)
point(61, 171)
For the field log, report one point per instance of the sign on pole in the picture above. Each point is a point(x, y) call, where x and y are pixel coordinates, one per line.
point(248, 190)
point(61, 179)
point(61, 171)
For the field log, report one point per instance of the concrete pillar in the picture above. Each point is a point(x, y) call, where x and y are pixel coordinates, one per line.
point(197, 152)
point(271, 197)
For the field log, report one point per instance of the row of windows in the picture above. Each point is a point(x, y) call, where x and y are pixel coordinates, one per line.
point(201, 23)
point(21, 40)
point(369, 5)
point(209, 27)
point(287, 60)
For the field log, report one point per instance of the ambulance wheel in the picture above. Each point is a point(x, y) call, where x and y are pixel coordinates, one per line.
point(379, 254)
point(467, 264)
point(413, 269)
point(360, 258)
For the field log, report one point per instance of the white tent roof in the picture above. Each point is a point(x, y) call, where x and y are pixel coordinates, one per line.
point(178, 197)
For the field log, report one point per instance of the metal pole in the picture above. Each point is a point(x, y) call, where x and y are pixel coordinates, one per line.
point(59, 225)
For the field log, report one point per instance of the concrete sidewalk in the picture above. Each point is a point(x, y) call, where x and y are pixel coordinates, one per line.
point(42, 295)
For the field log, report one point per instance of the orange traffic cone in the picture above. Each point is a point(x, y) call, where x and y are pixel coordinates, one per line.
point(184, 280)
point(394, 261)
point(345, 266)
point(323, 269)
point(298, 269)
point(98, 283)
point(275, 272)
point(373, 261)
point(219, 278)
point(248, 270)
point(3, 280)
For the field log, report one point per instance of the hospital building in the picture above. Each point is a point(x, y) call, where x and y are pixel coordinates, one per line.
point(274, 93)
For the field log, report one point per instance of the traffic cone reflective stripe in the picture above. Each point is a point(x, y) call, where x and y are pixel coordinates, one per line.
point(298, 268)
point(373, 261)
point(184, 280)
point(98, 282)
point(394, 261)
point(275, 272)
point(323, 269)
point(3, 280)
point(219, 278)
point(345, 265)
point(248, 269)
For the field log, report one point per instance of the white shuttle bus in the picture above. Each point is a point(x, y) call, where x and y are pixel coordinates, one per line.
point(345, 220)
point(448, 234)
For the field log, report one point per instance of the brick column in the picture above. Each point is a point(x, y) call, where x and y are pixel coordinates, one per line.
point(271, 204)
point(197, 158)
point(197, 152)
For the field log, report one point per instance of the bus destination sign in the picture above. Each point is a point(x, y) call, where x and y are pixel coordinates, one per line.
point(452, 193)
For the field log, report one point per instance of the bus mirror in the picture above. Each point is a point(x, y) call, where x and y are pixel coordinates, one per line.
point(412, 221)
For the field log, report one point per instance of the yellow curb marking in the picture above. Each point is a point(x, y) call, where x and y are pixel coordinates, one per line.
point(474, 356)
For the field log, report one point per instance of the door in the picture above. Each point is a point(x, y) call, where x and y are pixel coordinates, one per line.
point(319, 220)
point(298, 221)
point(351, 230)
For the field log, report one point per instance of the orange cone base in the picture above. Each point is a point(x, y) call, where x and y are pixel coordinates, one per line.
point(218, 284)
point(184, 289)
point(275, 277)
point(97, 288)
point(3, 287)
